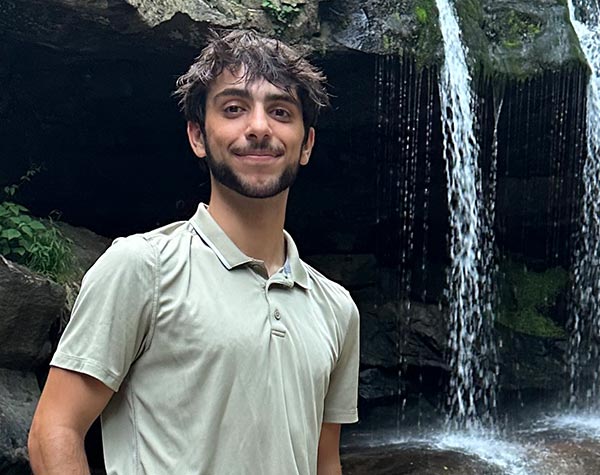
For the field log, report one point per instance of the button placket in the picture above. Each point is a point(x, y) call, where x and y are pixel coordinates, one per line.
point(278, 329)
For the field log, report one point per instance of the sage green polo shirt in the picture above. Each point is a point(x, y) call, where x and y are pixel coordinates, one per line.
point(217, 369)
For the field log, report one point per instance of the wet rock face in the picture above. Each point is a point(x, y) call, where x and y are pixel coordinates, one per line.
point(29, 305)
point(177, 26)
point(19, 393)
point(407, 460)
point(525, 38)
point(511, 37)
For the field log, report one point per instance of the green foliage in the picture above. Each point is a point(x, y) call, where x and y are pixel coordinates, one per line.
point(519, 28)
point(513, 29)
point(282, 12)
point(428, 34)
point(528, 297)
point(11, 190)
point(421, 15)
point(29, 241)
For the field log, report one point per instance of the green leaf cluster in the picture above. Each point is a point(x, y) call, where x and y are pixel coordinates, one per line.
point(30, 241)
point(421, 14)
point(528, 297)
point(281, 12)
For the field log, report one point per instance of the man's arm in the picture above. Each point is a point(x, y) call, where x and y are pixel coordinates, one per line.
point(328, 457)
point(69, 404)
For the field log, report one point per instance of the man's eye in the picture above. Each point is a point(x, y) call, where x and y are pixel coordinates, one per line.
point(233, 109)
point(281, 113)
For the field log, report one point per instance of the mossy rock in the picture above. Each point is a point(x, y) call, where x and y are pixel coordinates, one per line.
point(428, 35)
point(517, 39)
point(527, 299)
point(398, 27)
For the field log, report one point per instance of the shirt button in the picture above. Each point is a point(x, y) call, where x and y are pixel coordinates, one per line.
point(277, 315)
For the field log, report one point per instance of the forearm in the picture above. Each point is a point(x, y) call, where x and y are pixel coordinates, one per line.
point(59, 451)
point(329, 469)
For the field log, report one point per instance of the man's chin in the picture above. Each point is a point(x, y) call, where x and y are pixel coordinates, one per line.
point(260, 192)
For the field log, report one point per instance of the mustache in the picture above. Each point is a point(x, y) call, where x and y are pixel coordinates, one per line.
point(264, 147)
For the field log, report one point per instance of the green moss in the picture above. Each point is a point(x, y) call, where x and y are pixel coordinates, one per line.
point(521, 26)
point(387, 43)
point(527, 298)
point(511, 43)
point(471, 20)
point(428, 37)
point(421, 15)
point(531, 322)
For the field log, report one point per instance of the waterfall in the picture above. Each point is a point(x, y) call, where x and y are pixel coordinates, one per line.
point(584, 342)
point(472, 389)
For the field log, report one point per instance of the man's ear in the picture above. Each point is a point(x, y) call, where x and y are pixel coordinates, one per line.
point(196, 138)
point(307, 147)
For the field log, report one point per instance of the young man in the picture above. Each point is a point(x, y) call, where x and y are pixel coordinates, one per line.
point(207, 346)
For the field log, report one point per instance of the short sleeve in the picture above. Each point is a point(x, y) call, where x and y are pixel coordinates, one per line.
point(113, 316)
point(342, 394)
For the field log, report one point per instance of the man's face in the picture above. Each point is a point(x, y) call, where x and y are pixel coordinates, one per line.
point(253, 141)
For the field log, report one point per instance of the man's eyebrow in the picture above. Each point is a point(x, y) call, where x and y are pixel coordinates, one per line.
point(282, 97)
point(245, 94)
point(233, 91)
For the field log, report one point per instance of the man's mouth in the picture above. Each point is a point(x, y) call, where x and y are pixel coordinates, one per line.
point(258, 153)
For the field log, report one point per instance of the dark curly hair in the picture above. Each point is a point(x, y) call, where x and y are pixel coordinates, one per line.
point(259, 58)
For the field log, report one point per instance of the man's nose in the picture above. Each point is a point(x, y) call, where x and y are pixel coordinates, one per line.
point(259, 126)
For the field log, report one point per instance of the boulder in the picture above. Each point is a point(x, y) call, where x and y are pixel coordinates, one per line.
point(377, 383)
point(19, 394)
point(508, 37)
point(397, 333)
point(87, 246)
point(387, 27)
point(29, 305)
point(518, 38)
point(530, 364)
point(404, 350)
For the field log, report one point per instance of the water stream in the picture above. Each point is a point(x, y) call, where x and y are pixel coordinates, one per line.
point(584, 342)
point(473, 380)
point(542, 444)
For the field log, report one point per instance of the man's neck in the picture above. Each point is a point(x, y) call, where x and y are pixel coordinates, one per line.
point(254, 225)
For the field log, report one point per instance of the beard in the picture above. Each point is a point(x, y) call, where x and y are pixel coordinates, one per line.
point(226, 176)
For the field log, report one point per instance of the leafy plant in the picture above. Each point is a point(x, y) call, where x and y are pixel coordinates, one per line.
point(29, 241)
point(528, 298)
point(281, 12)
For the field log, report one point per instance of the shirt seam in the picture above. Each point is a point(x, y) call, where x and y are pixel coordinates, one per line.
point(136, 439)
point(155, 294)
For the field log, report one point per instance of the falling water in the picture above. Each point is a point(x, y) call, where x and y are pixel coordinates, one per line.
point(404, 98)
point(542, 117)
point(584, 343)
point(473, 380)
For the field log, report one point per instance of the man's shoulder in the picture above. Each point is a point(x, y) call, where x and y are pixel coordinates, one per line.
point(157, 238)
point(145, 246)
point(167, 232)
point(325, 284)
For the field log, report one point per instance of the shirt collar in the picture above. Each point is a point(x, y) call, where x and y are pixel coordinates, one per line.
point(231, 256)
